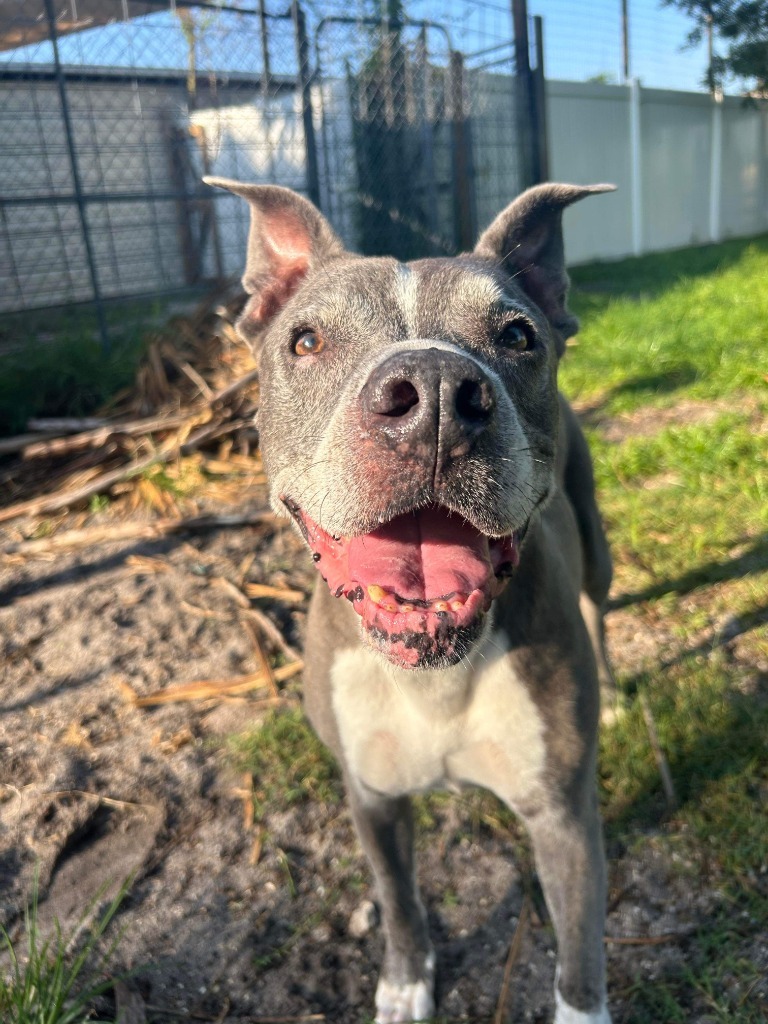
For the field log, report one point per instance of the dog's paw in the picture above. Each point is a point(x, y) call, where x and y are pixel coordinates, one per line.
point(408, 1002)
point(566, 1014)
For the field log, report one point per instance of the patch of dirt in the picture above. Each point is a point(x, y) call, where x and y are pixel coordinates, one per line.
point(94, 788)
point(648, 420)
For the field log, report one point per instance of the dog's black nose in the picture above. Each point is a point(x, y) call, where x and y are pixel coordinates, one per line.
point(428, 395)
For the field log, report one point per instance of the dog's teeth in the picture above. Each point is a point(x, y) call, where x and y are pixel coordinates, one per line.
point(407, 607)
point(441, 606)
point(457, 604)
point(377, 594)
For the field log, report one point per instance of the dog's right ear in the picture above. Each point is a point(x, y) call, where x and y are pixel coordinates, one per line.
point(288, 238)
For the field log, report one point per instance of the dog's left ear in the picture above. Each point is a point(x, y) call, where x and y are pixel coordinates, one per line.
point(287, 240)
point(527, 240)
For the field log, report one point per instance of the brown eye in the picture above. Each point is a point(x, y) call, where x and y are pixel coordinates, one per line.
point(516, 337)
point(308, 344)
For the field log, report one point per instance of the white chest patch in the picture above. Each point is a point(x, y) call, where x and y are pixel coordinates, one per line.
point(405, 732)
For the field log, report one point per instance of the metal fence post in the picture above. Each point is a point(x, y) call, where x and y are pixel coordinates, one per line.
point(463, 195)
point(302, 57)
point(524, 93)
point(539, 106)
point(76, 181)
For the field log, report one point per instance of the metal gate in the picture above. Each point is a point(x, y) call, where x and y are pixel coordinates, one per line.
point(410, 134)
point(112, 110)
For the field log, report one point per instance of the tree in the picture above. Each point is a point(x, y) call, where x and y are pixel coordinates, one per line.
point(743, 25)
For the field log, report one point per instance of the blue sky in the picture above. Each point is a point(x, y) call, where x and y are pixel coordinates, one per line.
point(582, 40)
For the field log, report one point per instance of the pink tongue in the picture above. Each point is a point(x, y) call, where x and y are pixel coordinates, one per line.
point(422, 556)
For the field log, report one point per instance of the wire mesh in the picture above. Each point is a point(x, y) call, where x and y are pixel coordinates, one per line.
point(118, 123)
point(404, 132)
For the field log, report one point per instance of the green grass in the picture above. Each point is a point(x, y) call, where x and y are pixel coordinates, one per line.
point(55, 979)
point(69, 375)
point(692, 323)
point(686, 507)
point(288, 762)
point(52, 362)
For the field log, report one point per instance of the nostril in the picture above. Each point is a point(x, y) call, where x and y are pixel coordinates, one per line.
point(474, 400)
point(399, 397)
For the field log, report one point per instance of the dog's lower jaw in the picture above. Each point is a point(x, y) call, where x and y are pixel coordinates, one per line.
point(405, 1003)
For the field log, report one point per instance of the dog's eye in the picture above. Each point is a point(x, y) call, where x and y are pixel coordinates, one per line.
point(308, 344)
point(517, 337)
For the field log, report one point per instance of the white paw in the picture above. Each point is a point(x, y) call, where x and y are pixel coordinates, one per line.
point(404, 1004)
point(567, 1014)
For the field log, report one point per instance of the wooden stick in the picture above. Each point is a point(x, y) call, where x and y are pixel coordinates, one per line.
point(661, 760)
point(514, 953)
point(234, 387)
point(261, 658)
point(277, 593)
point(204, 688)
point(54, 446)
point(54, 502)
point(197, 380)
point(272, 633)
point(133, 531)
point(10, 445)
point(67, 424)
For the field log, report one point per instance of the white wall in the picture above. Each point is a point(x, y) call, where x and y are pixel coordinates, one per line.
point(690, 182)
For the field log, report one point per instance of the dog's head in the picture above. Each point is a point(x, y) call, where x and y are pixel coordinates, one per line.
point(408, 414)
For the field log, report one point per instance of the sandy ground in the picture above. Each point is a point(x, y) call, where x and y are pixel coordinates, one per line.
point(227, 920)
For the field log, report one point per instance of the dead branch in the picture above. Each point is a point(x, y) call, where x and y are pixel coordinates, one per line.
point(231, 389)
point(54, 502)
point(270, 630)
point(133, 531)
point(661, 760)
point(276, 593)
point(56, 446)
point(67, 424)
point(206, 688)
point(261, 658)
point(514, 953)
point(10, 445)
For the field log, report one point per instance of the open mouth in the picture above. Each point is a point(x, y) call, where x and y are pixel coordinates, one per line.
point(421, 582)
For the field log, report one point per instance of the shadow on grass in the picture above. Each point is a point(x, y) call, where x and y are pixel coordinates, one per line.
point(749, 562)
point(663, 383)
point(649, 276)
point(712, 732)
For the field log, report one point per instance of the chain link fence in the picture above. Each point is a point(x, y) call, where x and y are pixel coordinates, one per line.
point(405, 132)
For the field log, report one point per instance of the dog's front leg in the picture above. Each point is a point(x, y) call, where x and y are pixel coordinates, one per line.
point(568, 848)
point(406, 983)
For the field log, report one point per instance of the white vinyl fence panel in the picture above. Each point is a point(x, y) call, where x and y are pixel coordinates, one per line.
point(699, 174)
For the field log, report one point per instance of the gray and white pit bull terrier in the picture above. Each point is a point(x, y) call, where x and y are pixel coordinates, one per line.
point(411, 425)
